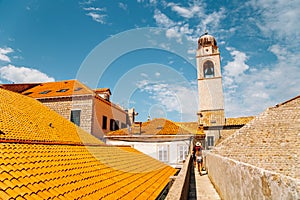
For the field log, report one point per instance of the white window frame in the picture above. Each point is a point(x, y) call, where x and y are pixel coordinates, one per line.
point(182, 152)
point(164, 155)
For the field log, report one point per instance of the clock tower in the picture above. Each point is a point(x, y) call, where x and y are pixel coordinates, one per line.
point(210, 91)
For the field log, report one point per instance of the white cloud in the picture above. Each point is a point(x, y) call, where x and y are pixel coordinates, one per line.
point(123, 6)
point(192, 51)
point(23, 75)
point(249, 92)
point(174, 33)
point(251, 89)
point(173, 97)
point(144, 75)
point(97, 17)
point(280, 52)
point(94, 9)
point(214, 19)
point(87, 2)
point(186, 12)
point(162, 19)
point(279, 18)
point(238, 66)
point(179, 29)
point(178, 32)
point(157, 74)
point(4, 52)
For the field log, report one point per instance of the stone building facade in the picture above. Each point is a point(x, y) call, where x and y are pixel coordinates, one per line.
point(90, 109)
point(211, 100)
point(211, 115)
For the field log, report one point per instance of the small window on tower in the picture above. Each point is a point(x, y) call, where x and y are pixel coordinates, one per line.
point(208, 69)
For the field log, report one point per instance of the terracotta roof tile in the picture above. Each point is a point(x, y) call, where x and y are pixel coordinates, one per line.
point(100, 90)
point(18, 87)
point(23, 118)
point(33, 167)
point(158, 126)
point(58, 89)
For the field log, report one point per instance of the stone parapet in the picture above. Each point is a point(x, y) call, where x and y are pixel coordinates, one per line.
point(270, 141)
point(238, 180)
point(180, 187)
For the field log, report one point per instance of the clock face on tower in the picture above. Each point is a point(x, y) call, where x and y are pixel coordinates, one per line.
point(208, 69)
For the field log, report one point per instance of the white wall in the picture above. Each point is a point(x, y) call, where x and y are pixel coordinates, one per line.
point(151, 149)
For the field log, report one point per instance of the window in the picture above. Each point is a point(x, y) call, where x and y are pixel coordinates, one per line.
point(117, 125)
point(62, 90)
point(208, 69)
point(182, 152)
point(113, 125)
point(210, 140)
point(123, 125)
point(75, 117)
point(104, 122)
point(28, 93)
point(45, 92)
point(77, 89)
point(163, 153)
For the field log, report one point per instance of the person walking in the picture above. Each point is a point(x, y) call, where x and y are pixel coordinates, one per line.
point(199, 156)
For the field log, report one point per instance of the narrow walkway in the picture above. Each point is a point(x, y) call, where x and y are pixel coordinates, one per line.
point(192, 188)
point(204, 188)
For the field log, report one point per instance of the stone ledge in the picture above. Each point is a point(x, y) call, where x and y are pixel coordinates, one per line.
point(180, 187)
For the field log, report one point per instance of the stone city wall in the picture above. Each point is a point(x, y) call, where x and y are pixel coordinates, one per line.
point(237, 180)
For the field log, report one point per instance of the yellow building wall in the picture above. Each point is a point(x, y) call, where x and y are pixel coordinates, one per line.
point(103, 108)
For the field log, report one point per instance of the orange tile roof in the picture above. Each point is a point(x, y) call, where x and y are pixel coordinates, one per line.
point(193, 127)
point(158, 126)
point(100, 90)
point(71, 172)
point(39, 161)
point(23, 118)
point(18, 87)
point(58, 89)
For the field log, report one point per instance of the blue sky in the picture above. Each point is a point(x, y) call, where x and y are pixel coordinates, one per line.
point(144, 51)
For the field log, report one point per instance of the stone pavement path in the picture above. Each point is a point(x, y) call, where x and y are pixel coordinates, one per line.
point(204, 188)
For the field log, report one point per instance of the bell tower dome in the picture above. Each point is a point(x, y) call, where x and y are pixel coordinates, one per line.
point(210, 91)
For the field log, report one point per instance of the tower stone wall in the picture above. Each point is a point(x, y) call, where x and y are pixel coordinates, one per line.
point(210, 90)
